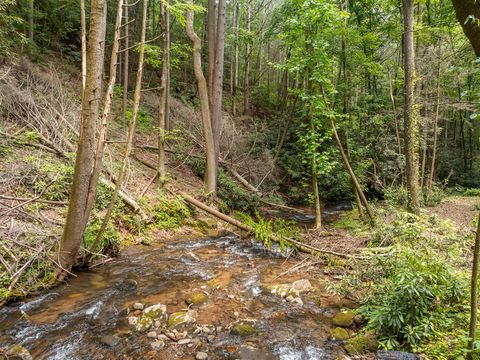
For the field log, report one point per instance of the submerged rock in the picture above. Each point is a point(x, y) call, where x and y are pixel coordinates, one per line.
point(243, 329)
point(197, 298)
point(302, 286)
point(339, 333)
point(109, 340)
point(157, 345)
point(343, 319)
point(201, 356)
point(155, 311)
point(138, 306)
point(143, 324)
point(181, 317)
point(18, 352)
point(126, 285)
point(396, 355)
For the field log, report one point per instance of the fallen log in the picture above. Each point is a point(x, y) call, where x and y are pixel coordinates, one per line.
point(298, 245)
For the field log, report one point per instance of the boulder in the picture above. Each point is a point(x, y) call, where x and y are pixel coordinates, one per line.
point(181, 317)
point(339, 333)
point(156, 311)
point(243, 329)
point(362, 344)
point(109, 340)
point(301, 286)
point(343, 319)
point(197, 298)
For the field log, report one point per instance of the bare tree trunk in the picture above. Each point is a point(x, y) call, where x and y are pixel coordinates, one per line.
point(210, 172)
point(163, 108)
point(394, 114)
point(410, 111)
point(74, 226)
point(211, 35)
point(31, 13)
point(125, 68)
point(246, 75)
point(465, 9)
point(316, 195)
point(474, 295)
point(107, 104)
point(131, 131)
point(217, 85)
point(435, 139)
point(235, 59)
point(83, 26)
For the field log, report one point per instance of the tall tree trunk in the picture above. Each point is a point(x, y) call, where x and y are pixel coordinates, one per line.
point(210, 172)
point(468, 11)
point(125, 68)
point(410, 112)
point(131, 131)
point(235, 58)
point(474, 295)
point(211, 35)
point(217, 85)
point(74, 225)
point(163, 108)
point(246, 75)
point(83, 30)
point(31, 14)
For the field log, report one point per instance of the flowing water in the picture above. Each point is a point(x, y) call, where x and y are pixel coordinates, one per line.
point(86, 318)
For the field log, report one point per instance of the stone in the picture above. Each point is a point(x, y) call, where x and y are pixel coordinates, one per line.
point(290, 298)
point(339, 333)
point(213, 283)
point(109, 340)
point(152, 335)
point(181, 317)
point(243, 329)
point(184, 341)
point(155, 311)
point(132, 320)
point(206, 329)
point(162, 337)
point(157, 345)
point(343, 319)
point(211, 338)
point(138, 306)
point(362, 344)
point(143, 324)
point(301, 286)
point(297, 301)
point(126, 285)
point(18, 352)
point(137, 313)
point(358, 319)
point(197, 298)
point(396, 355)
point(201, 355)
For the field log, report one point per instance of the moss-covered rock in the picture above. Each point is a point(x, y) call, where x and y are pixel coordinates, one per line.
point(243, 329)
point(339, 333)
point(362, 344)
point(180, 317)
point(343, 319)
point(213, 283)
point(197, 298)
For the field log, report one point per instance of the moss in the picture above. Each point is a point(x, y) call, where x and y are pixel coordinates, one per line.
point(362, 344)
point(339, 333)
point(213, 283)
point(243, 329)
point(176, 319)
point(197, 298)
point(343, 319)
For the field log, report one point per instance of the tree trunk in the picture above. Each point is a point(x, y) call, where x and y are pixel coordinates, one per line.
point(163, 108)
point(235, 59)
point(468, 13)
point(246, 75)
point(83, 26)
point(210, 171)
point(74, 226)
point(473, 295)
point(31, 13)
point(125, 68)
point(211, 35)
point(316, 195)
point(217, 85)
point(410, 112)
point(131, 131)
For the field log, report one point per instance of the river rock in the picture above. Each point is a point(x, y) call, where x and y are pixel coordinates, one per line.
point(201, 356)
point(126, 285)
point(396, 355)
point(132, 320)
point(339, 333)
point(152, 335)
point(184, 341)
point(362, 344)
point(301, 286)
point(243, 329)
point(197, 298)
point(18, 352)
point(343, 319)
point(181, 317)
point(155, 311)
point(109, 340)
point(138, 306)
point(143, 324)
point(157, 345)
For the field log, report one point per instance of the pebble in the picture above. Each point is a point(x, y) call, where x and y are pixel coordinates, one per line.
point(219, 329)
point(137, 312)
point(206, 330)
point(231, 296)
point(132, 320)
point(236, 314)
point(163, 337)
point(157, 345)
point(138, 306)
point(152, 334)
point(210, 338)
point(201, 356)
point(297, 301)
point(184, 341)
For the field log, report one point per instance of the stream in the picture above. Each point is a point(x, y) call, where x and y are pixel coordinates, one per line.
point(88, 317)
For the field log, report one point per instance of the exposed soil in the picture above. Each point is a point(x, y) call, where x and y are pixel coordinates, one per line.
point(460, 210)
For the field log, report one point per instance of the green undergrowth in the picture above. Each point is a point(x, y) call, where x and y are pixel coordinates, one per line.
point(264, 229)
point(398, 196)
point(462, 191)
point(353, 223)
point(413, 286)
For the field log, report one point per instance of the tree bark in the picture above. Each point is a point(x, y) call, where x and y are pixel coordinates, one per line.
point(210, 172)
point(474, 295)
point(163, 108)
point(468, 15)
point(246, 75)
point(83, 30)
point(31, 14)
point(74, 226)
point(211, 38)
point(410, 112)
point(125, 68)
point(130, 136)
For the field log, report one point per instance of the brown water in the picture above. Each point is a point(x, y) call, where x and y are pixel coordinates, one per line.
point(71, 321)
